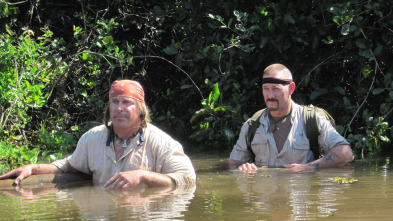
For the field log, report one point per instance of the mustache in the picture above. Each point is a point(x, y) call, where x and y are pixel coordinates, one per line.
point(272, 100)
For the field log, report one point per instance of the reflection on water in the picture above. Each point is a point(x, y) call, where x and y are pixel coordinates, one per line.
point(153, 203)
point(221, 194)
point(89, 202)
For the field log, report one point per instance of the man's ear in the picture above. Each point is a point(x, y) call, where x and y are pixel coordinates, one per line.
point(292, 87)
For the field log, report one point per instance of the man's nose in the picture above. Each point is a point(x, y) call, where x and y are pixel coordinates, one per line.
point(119, 108)
point(269, 93)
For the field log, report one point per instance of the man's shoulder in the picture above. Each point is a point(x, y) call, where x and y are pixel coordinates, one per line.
point(154, 131)
point(157, 138)
point(100, 129)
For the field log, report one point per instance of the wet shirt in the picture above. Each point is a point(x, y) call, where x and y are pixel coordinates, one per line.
point(159, 153)
point(296, 148)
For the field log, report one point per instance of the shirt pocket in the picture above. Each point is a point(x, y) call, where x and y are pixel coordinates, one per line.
point(260, 147)
point(300, 150)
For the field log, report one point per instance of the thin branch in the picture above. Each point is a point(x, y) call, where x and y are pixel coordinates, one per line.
point(145, 56)
point(387, 114)
point(320, 64)
point(16, 3)
point(219, 58)
point(151, 56)
point(371, 86)
point(365, 99)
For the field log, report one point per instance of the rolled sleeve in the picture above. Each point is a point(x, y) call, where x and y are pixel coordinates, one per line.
point(64, 165)
point(178, 166)
point(329, 137)
point(240, 151)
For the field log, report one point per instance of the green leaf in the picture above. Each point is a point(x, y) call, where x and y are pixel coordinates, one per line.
point(377, 91)
point(229, 134)
point(307, 78)
point(378, 50)
point(185, 86)
point(214, 95)
point(352, 28)
point(107, 39)
point(83, 92)
point(340, 90)
point(360, 44)
point(347, 103)
point(230, 22)
point(85, 56)
point(345, 29)
point(290, 19)
point(382, 108)
point(318, 92)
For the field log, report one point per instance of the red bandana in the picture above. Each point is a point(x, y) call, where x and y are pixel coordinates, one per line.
point(127, 88)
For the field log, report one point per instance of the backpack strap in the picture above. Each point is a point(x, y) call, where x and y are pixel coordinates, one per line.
point(312, 130)
point(253, 125)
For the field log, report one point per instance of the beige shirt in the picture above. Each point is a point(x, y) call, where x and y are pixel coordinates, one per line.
point(159, 153)
point(296, 148)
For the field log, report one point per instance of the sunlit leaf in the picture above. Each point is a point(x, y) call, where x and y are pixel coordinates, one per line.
point(85, 56)
point(345, 29)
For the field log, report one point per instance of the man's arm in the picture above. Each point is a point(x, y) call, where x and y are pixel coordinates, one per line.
point(127, 179)
point(31, 169)
point(340, 155)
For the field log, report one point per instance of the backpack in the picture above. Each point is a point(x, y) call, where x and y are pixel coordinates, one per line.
point(310, 122)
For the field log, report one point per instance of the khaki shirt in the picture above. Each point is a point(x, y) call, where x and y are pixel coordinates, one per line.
point(159, 153)
point(296, 148)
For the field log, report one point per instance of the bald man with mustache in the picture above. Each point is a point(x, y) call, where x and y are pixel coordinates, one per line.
point(280, 140)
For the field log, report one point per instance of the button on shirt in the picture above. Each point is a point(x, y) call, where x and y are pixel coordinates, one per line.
point(159, 153)
point(296, 148)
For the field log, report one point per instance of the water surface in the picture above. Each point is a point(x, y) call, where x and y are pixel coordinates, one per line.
point(220, 194)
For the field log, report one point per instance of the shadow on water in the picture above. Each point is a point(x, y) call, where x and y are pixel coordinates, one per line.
point(220, 194)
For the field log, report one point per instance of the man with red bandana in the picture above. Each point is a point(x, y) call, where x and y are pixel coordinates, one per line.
point(126, 151)
point(280, 140)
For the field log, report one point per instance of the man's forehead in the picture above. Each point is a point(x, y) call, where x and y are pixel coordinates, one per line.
point(272, 85)
point(275, 80)
point(121, 98)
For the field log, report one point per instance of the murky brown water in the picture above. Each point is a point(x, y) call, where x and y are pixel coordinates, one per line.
point(220, 194)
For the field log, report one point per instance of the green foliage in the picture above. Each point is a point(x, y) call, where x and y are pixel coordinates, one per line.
point(377, 133)
point(12, 156)
point(212, 123)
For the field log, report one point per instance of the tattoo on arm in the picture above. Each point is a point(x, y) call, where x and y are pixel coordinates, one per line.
point(330, 158)
point(315, 165)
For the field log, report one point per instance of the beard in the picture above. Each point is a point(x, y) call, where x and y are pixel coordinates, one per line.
point(272, 108)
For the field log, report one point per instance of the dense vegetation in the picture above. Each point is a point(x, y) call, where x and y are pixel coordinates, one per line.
point(200, 63)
